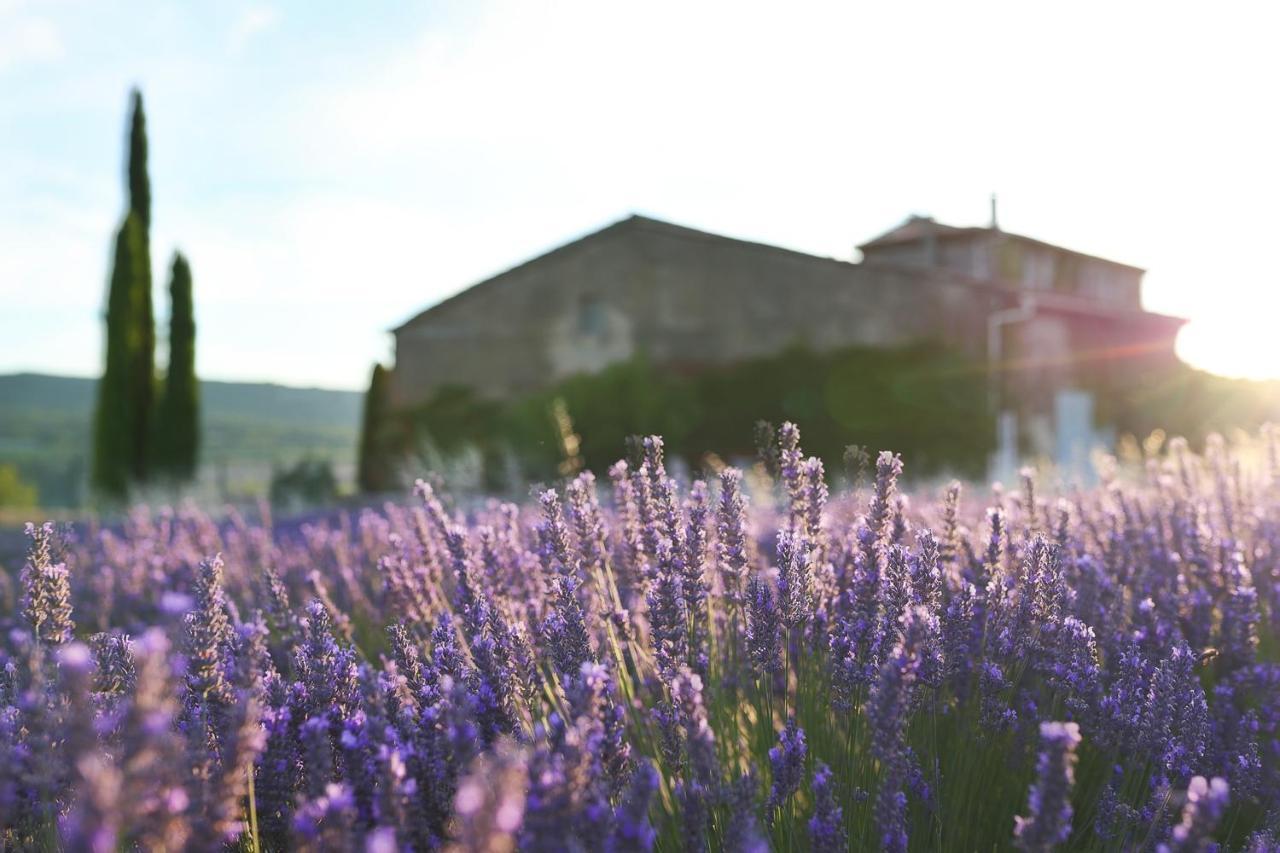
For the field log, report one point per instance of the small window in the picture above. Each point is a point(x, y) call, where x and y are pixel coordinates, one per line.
point(591, 317)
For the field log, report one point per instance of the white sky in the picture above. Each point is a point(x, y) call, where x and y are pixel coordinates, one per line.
point(331, 171)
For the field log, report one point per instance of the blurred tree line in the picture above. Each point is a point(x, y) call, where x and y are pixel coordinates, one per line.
point(925, 401)
point(144, 430)
point(1182, 401)
point(15, 492)
point(308, 482)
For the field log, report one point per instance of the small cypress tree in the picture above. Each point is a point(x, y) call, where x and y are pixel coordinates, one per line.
point(376, 471)
point(178, 420)
point(142, 379)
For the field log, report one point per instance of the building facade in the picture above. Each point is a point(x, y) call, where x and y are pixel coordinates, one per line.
point(1045, 316)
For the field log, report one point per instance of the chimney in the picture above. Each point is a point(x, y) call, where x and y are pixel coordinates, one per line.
point(995, 222)
point(930, 241)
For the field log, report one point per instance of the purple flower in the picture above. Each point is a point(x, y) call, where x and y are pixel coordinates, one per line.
point(887, 712)
point(741, 833)
point(884, 497)
point(1205, 803)
point(46, 589)
point(1175, 724)
point(588, 522)
point(731, 535)
point(632, 831)
point(1048, 822)
point(1071, 661)
point(949, 549)
point(1238, 645)
point(571, 675)
point(490, 803)
point(208, 638)
point(814, 502)
point(564, 631)
point(795, 579)
point(668, 612)
point(93, 824)
point(764, 630)
point(693, 581)
point(699, 740)
point(695, 814)
point(115, 673)
point(790, 459)
point(787, 762)
point(327, 822)
point(826, 827)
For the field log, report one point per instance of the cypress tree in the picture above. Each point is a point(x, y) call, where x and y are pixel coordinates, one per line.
point(178, 419)
point(139, 182)
point(375, 472)
point(123, 421)
point(143, 382)
point(116, 454)
point(142, 378)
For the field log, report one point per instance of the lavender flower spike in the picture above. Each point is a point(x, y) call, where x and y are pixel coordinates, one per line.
point(787, 761)
point(731, 534)
point(491, 801)
point(46, 599)
point(826, 827)
point(764, 629)
point(1206, 801)
point(632, 831)
point(1049, 803)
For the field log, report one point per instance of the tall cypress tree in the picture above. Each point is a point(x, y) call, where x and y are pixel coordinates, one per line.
point(178, 420)
point(139, 182)
point(115, 429)
point(375, 471)
point(143, 391)
point(123, 421)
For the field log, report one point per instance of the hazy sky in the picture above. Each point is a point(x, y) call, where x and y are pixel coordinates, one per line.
point(332, 168)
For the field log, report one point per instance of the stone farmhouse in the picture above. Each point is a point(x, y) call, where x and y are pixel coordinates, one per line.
point(1047, 317)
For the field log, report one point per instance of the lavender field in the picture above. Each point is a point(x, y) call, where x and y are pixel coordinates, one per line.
point(639, 663)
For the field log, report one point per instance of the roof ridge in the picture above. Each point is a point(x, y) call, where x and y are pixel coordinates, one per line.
point(915, 228)
point(640, 220)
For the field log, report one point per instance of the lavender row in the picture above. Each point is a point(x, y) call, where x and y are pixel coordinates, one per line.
point(743, 663)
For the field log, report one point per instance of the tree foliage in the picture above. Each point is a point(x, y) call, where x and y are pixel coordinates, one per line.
point(922, 399)
point(14, 491)
point(178, 420)
point(139, 182)
point(308, 482)
point(123, 418)
point(376, 470)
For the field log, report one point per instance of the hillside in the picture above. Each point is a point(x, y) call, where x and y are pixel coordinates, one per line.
point(45, 424)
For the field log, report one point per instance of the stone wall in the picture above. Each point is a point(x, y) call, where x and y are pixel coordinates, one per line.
point(686, 299)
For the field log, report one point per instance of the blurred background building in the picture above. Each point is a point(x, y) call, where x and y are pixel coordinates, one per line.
point(1051, 325)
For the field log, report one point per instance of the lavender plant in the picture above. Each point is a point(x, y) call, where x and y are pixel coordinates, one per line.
point(741, 663)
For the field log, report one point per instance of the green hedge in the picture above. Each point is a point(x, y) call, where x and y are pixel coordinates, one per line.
point(924, 401)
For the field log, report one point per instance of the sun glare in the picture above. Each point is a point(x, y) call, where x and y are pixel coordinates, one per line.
point(1243, 343)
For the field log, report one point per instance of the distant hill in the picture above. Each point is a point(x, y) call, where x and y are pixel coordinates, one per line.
point(284, 403)
point(45, 430)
